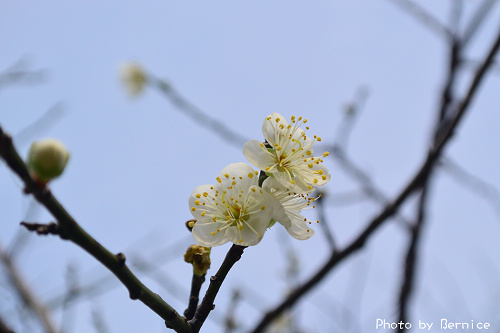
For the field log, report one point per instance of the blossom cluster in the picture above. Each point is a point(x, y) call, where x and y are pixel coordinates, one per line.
point(244, 202)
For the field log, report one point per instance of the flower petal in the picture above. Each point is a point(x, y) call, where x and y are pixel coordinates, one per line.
point(241, 173)
point(258, 155)
point(206, 233)
point(202, 194)
point(253, 230)
point(299, 228)
point(270, 125)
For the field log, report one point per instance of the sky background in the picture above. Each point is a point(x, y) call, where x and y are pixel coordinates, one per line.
point(135, 161)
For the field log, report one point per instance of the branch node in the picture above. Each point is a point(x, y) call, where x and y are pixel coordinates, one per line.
point(134, 294)
point(51, 228)
point(121, 259)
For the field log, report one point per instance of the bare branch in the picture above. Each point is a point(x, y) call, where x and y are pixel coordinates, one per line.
point(474, 183)
point(367, 185)
point(207, 305)
point(230, 321)
point(194, 297)
point(324, 221)
point(418, 180)
point(197, 115)
point(411, 259)
point(423, 17)
point(26, 294)
point(351, 113)
point(4, 328)
point(42, 124)
point(477, 19)
point(71, 229)
point(18, 73)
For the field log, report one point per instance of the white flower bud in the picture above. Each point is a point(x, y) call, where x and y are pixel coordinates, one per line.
point(47, 159)
point(133, 78)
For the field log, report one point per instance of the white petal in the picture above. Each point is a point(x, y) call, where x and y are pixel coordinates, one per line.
point(196, 206)
point(270, 126)
point(234, 171)
point(271, 183)
point(257, 155)
point(320, 177)
point(278, 211)
point(253, 230)
point(299, 228)
point(285, 179)
point(206, 234)
point(303, 186)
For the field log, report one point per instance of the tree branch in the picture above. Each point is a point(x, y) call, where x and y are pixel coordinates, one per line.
point(412, 257)
point(70, 228)
point(194, 296)
point(424, 17)
point(4, 328)
point(207, 305)
point(391, 208)
point(197, 115)
point(27, 296)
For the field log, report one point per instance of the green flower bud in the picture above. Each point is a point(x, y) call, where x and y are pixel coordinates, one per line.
point(199, 257)
point(47, 159)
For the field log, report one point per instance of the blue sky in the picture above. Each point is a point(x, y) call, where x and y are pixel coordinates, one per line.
point(135, 161)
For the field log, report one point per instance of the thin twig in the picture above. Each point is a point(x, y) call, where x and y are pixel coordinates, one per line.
point(456, 12)
point(194, 295)
point(40, 125)
point(207, 305)
point(477, 19)
point(424, 17)
point(367, 185)
point(351, 113)
point(230, 321)
point(324, 221)
point(472, 182)
point(26, 294)
point(196, 114)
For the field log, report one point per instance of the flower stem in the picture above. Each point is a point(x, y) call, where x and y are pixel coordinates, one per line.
point(194, 297)
point(207, 305)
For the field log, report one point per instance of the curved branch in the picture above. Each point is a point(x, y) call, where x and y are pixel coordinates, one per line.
point(69, 229)
point(445, 134)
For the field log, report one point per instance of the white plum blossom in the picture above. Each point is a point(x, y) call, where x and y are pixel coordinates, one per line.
point(293, 204)
point(235, 209)
point(288, 154)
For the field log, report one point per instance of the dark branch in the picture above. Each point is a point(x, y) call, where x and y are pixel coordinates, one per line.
point(424, 17)
point(4, 328)
point(390, 209)
point(44, 229)
point(207, 305)
point(411, 259)
point(194, 296)
point(71, 229)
